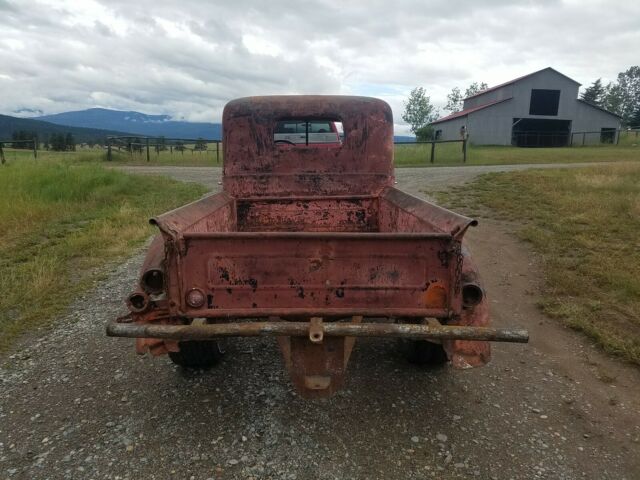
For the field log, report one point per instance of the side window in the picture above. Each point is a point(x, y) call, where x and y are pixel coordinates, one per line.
point(308, 132)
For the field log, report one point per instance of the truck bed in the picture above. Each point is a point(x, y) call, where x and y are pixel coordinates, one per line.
point(386, 255)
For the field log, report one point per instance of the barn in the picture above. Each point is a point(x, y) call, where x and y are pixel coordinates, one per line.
point(541, 109)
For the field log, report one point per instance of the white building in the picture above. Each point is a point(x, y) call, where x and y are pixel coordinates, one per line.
point(539, 109)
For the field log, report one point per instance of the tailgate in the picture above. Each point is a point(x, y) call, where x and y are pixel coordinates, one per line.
point(244, 274)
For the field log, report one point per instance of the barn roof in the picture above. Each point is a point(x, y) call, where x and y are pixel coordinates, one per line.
point(599, 108)
point(463, 113)
point(491, 89)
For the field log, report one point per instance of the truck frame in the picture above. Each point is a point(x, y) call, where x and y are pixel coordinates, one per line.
point(314, 246)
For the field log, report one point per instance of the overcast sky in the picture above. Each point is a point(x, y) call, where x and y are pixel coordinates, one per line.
point(188, 58)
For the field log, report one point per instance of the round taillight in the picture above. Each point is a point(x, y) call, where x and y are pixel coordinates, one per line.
point(195, 298)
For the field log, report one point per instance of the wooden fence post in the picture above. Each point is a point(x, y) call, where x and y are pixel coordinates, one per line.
point(217, 152)
point(109, 157)
point(464, 151)
point(35, 149)
point(2, 160)
point(433, 151)
point(584, 135)
point(148, 159)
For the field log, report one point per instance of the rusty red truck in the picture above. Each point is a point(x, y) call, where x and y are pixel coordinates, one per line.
point(310, 242)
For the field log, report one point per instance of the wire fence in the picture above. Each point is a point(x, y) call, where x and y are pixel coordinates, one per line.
point(18, 144)
point(414, 153)
point(157, 145)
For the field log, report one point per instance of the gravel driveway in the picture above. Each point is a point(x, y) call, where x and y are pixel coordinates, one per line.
point(411, 179)
point(75, 404)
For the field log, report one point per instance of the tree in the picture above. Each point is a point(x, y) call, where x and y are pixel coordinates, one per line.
point(629, 91)
point(455, 99)
point(418, 110)
point(161, 144)
point(70, 142)
point(594, 93)
point(474, 88)
point(58, 143)
point(635, 119)
point(200, 145)
point(612, 98)
point(21, 136)
point(424, 134)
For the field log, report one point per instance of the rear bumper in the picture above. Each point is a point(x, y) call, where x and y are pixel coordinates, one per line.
point(311, 330)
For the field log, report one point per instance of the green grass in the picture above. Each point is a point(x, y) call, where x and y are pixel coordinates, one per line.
point(450, 154)
point(406, 155)
point(61, 222)
point(187, 157)
point(586, 225)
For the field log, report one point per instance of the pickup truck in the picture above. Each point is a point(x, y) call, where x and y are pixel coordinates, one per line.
point(310, 242)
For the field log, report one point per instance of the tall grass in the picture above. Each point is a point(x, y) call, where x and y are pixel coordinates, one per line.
point(586, 224)
point(60, 223)
point(405, 155)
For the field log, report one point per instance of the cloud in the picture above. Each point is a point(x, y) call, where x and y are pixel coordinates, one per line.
point(188, 58)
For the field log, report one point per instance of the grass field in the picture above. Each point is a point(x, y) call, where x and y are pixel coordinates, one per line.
point(406, 155)
point(61, 222)
point(586, 225)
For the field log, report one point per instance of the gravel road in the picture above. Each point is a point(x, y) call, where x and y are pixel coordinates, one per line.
point(75, 404)
point(415, 180)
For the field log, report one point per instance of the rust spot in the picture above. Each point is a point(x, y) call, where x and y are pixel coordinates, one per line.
point(224, 273)
point(393, 275)
point(435, 296)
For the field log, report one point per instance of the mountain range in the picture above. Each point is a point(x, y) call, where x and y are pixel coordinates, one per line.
point(136, 123)
point(10, 125)
point(94, 124)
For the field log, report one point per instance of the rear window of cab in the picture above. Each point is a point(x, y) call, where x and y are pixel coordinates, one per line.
point(296, 132)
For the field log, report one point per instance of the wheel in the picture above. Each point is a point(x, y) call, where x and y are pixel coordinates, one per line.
point(422, 352)
point(197, 354)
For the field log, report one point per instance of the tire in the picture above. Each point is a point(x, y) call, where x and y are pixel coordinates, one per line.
point(197, 354)
point(424, 353)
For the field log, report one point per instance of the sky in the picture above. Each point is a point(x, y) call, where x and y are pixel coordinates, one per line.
point(188, 58)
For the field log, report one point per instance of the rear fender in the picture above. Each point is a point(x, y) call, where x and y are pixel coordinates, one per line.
point(465, 353)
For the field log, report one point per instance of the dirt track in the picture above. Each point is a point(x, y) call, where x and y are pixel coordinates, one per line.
point(74, 404)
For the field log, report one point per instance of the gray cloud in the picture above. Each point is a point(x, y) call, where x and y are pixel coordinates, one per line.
point(188, 58)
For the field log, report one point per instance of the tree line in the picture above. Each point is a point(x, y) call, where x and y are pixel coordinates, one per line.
point(58, 142)
point(621, 96)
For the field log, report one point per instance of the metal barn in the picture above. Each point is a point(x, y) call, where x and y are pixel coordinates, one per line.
point(541, 109)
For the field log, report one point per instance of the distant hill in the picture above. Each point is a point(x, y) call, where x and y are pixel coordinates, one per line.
point(403, 138)
point(146, 125)
point(136, 123)
point(9, 124)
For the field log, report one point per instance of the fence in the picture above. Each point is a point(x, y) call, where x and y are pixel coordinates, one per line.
point(433, 143)
point(33, 142)
point(605, 136)
point(136, 144)
point(539, 139)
